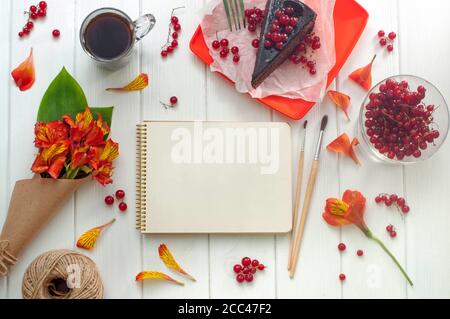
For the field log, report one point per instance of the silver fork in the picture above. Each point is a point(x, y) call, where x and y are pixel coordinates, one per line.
point(235, 12)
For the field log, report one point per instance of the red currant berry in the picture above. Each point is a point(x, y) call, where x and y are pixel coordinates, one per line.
point(261, 267)
point(393, 198)
point(33, 15)
point(21, 34)
point(316, 45)
point(235, 50)
point(174, 44)
point(237, 268)
point(43, 5)
point(56, 33)
point(177, 27)
point(393, 234)
point(173, 100)
point(174, 20)
point(175, 35)
point(389, 228)
point(224, 43)
point(390, 48)
point(255, 43)
point(342, 247)
point(240, 278)
point(392, 35)
point(381, 33)
point(30, 25)
point(359, 252)
point(383, 42)
point(215, 44)
point(251, 27)
point(169, 49)
point(342, 277)
point(236, 59)
point(405, 209)
point(223, 54)
point(109, 200)
point(268, 44)
point(246, 261)
point(120, 194)
point(33, 9)
point(26, 30)
point(253, 270)
point(41, 13)
point(163, 53)
point(246, 270)
point(123, 207)
point(378, 199)
point(312, 71)
point(249, 278)
point(255, 263)
point(388, 202)
point(401, 201)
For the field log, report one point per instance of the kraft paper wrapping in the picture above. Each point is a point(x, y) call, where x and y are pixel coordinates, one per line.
point(33, 203)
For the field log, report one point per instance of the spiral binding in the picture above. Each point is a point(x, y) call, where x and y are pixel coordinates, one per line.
point(141, 176)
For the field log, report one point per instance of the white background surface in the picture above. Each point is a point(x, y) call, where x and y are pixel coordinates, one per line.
point(423, 239)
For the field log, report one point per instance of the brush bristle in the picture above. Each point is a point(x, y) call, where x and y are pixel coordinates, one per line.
point(324, 123)
point(305, 124)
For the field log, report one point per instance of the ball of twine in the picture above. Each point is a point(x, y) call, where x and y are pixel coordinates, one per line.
point(62, 274)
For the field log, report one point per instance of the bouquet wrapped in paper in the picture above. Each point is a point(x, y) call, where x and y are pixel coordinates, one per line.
point(73, 144)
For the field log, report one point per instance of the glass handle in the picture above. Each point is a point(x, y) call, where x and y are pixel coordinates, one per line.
point(144, 25)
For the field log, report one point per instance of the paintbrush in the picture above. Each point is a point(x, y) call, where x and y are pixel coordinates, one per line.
point(308, 196)
point(298, 193)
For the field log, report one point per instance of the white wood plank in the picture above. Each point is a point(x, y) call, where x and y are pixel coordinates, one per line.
point(427, 183)
point(374, 275)
point(319, 261)
point(50, 56)
point(118, 254)
point(181, 75)
point(225, 104)
point(5, 34)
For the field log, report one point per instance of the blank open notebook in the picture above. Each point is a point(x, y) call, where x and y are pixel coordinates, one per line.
point(214, 177)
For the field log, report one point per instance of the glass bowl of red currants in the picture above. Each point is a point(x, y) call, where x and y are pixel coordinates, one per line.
point(404, 119)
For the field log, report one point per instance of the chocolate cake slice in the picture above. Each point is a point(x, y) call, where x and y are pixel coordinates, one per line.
point(285, 25)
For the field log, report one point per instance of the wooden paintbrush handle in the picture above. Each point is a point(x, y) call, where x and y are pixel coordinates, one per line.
point(305, 210)
point(298, 193)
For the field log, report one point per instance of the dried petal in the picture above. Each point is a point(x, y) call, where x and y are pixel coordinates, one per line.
point(341, 100)
point(168, 259)
point(363, 76)
point(24, 74)
point(156, 275)
point(139, 83)
point(88, 239)
point(343, 146)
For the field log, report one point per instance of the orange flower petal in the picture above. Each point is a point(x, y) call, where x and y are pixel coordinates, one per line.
point(343, 146)
point(156, 275)
point(88, 239)
point(168, 259)
point(24, 74)
point(363, 76)
point(139, 83)
point(341, 100)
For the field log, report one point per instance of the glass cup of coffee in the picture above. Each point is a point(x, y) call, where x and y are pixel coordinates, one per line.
point(109, 36)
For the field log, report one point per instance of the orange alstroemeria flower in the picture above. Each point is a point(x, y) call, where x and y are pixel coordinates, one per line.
point(102, 161)
point(350, 211)
point(85, 130)
point(47, 134)
point(51, 160)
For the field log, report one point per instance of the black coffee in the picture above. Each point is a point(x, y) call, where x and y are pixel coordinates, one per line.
point(108, 36)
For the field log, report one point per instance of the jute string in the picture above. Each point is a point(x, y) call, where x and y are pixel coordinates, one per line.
point(62, 274)
point(6, 259)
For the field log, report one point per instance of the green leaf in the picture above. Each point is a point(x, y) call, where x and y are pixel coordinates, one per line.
point(65, 96)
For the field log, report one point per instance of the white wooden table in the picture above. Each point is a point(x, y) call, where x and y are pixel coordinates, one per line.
point(423, 48)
